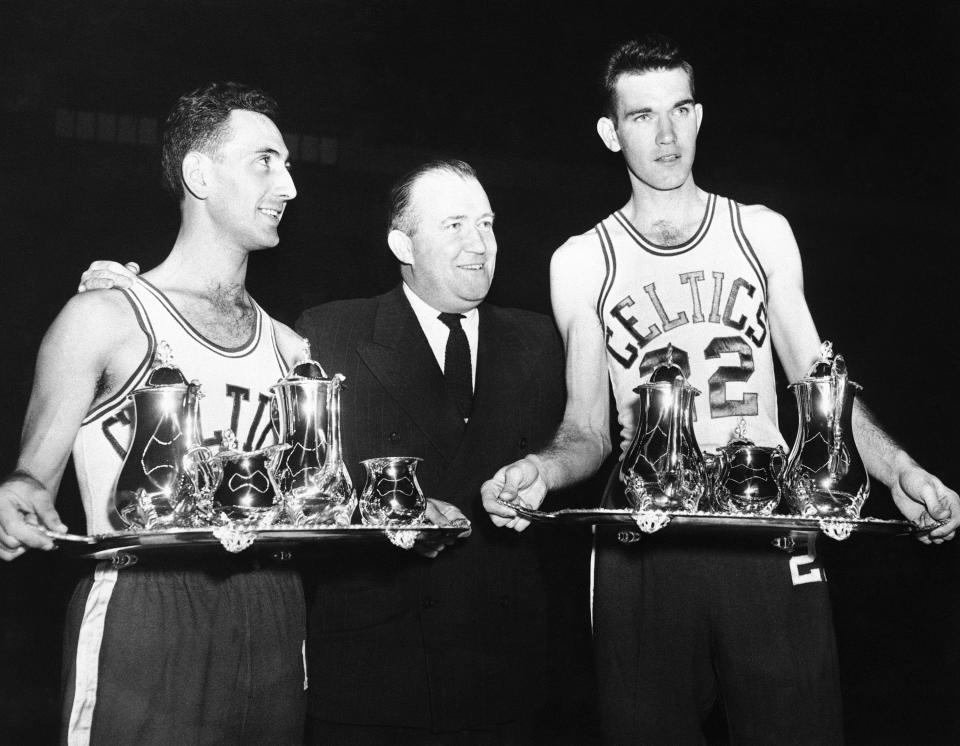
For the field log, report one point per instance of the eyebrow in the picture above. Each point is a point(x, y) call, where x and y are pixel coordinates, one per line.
point(648, 109)
point(266, 149)
point(464, 217)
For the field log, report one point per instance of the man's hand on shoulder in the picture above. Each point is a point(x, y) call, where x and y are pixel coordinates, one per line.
point(105, 274)
point(522, 483)
point(925, 500)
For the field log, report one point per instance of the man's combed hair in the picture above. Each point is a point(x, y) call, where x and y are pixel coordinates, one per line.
point(651, 52)
point(402, 217)
point(198, 121)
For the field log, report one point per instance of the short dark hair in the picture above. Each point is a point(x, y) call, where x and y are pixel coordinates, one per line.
point(651, 52)
point(402, 217)
point(198, 121)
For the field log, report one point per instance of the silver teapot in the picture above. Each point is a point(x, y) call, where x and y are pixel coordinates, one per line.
point(664, 468)
point(745, 476)
point(312, 476)
point(167, 474)
point(825, 476)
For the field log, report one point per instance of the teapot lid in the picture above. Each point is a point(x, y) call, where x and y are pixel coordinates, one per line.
point(307, 369)
point(165, 372)
point(738, 438)
point(829, 366)
point(668, 370)
point(823, 365)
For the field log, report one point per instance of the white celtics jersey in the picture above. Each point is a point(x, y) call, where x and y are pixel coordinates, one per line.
point(707, 297)
point(235, 388)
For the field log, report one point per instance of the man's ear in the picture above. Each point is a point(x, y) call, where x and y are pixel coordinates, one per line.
point(193, 170)
point(608, 133)
point(401, 245)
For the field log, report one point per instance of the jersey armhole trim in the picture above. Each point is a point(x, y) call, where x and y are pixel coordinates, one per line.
point(139, 372)
point(610, 273)
point(736, 223)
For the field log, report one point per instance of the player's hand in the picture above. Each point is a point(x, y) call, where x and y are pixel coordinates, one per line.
point(520, 482)
point(443, 514)
point(23, 510)
point(101, 275)
point(925, 500)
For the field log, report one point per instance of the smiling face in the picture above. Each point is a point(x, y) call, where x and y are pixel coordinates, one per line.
point(655, 127)
point(450, 257)
point(248, 182)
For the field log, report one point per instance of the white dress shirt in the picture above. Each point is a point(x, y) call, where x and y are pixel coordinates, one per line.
point(437, 332)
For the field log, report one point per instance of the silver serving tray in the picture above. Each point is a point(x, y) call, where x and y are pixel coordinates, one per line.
point(703, 521)
point(233, 539)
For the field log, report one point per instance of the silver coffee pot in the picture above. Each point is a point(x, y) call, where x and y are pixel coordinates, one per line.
point(664, 468)
point(313, 478)
point(825, 476)
point(167, 474)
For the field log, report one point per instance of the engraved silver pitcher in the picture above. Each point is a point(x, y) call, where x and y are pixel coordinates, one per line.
point(313, 478)
point(391, 494)
point(664, 468)
point(825, 475)
point(167, 474)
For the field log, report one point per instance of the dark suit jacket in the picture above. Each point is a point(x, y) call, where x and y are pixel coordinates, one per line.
point(454, 642)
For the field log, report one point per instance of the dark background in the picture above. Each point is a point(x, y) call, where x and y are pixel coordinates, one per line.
point(837, 114)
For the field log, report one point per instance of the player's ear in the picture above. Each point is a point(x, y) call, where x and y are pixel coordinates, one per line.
point(608, 133)
point(401, 245)
point(194, 171)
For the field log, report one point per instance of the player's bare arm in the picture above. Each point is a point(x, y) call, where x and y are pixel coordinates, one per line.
point(582, 440)
point(87, 353)
point(918, 494)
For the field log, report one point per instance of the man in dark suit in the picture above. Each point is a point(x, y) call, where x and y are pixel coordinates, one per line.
point(402, 649)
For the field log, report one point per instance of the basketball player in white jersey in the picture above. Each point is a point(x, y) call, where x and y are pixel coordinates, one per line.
point(173, 652)
point(679, 626)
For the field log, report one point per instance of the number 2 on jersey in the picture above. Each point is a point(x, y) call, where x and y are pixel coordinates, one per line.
point(720, 405)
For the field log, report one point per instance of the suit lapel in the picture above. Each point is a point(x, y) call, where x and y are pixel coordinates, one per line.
point(402, 361)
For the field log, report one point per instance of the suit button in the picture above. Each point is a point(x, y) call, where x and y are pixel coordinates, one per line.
point(429, 602)
point(394, 437)
point(522, 443)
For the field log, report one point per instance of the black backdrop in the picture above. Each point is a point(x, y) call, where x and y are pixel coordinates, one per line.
point(837, 114)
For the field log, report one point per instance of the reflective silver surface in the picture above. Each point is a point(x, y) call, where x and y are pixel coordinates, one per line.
point(248, 493)
point(312, 475)
point(746, 478)
point(664, 468)
point(166, 473)
point(391, 493)
point(825, 475)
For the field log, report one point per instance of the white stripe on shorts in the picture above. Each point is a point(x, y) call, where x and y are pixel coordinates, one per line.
point(88, 654)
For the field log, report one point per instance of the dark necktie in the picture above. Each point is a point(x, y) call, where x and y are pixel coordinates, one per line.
point(457, 376)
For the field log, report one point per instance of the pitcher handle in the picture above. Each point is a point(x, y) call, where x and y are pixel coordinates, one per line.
point(838, 385)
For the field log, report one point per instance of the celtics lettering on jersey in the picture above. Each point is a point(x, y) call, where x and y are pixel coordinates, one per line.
point(707, 298)
point(737, 308)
